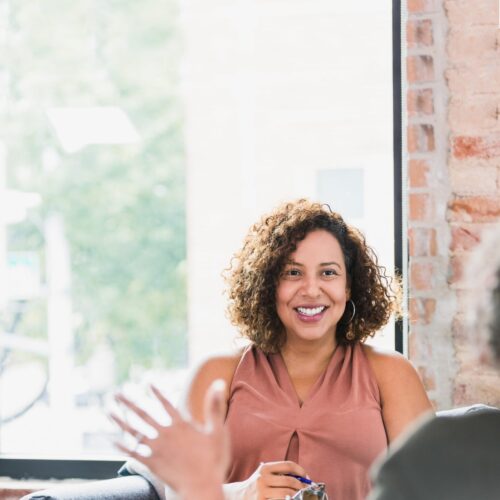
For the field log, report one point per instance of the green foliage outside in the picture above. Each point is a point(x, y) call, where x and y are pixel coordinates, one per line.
point(123, 205)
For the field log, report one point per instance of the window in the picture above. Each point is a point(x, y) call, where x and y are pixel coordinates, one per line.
point(283, 98)
point(143, 139)
point(93, 235)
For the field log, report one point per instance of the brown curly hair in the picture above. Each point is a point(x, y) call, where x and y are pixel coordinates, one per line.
point(254, 272)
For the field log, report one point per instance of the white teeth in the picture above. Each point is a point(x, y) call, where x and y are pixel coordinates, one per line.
point(311, 311)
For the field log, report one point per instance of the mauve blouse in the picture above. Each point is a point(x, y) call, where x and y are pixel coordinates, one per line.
point(335, 435)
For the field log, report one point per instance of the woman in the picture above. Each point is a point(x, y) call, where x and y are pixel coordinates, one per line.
point(308, 397)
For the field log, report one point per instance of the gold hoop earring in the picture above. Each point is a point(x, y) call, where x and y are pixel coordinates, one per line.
point(353, 310)
point(350, 335)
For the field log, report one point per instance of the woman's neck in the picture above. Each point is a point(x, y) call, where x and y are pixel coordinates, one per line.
point(316, 354)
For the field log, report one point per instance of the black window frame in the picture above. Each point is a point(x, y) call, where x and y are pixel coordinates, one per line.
point(397, 99)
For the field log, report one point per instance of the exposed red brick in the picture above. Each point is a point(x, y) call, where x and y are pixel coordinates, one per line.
point(459, 394)
point(421, 138)
point(465, 298)
point(422, 242)
point(419, 173)
point(477, 147)
point(470, 177)
point(459, 330)
point(427, 378)
point(474, 209)
point(419, 33)
point(420, 68)
point(474, 114)
point(415, 344)
point(418, 342)
point(478, 385)
point(420, 102)
point(458, 264)
point(474, 79)
point(422, 276)
point(465, 12)
point(478, 43)
point(464, 238)
point(422, 310)
point(415, 6)
point(421, 207)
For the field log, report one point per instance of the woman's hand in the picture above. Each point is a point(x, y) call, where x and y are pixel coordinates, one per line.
point(270, 481)
point(190, 458)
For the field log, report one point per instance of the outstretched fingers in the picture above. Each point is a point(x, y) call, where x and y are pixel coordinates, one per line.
point(143, 415)
point(126, 427)
point(167, 405)
point(132, 453)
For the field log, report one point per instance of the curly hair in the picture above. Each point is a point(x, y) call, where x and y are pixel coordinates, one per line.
point(254, 273)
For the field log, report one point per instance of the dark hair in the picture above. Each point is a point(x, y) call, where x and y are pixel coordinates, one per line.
point(254, 273)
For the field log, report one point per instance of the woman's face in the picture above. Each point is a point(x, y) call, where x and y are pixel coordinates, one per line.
point(312, 291)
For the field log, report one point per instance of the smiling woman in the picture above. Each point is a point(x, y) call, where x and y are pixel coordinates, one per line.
point(314, 400)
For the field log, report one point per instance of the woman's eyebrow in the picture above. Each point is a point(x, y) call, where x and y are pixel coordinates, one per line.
point(333, 263)
point(293, 263)
point(323, 264)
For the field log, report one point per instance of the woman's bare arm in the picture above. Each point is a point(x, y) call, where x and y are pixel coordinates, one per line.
point(402, 393)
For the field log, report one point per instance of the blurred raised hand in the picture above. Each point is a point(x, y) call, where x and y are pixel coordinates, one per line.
point(190, 458)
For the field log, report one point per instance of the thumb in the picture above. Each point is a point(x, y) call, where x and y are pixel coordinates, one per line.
point(215, 405)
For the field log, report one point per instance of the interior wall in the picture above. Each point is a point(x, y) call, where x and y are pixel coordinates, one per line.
point(453, 136)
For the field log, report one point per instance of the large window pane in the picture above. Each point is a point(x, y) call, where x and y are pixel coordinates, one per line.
point(93, 215)
point(139, 141)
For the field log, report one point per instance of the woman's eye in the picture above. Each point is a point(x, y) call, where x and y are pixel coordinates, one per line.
point(292, 272)
point(330, 272)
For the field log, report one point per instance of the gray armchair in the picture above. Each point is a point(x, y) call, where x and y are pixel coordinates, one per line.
point(119, 488)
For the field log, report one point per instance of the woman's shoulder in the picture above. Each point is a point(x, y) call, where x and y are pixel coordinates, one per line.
point(215, 367)
point(221, 366)
point(386, 361)
point(392, 370)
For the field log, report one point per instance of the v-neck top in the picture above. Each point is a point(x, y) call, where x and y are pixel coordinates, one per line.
point(335, 434)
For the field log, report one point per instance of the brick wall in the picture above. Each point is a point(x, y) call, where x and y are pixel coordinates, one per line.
point(453, 139)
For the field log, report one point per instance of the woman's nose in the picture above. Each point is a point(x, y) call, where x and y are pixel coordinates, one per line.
point(311, 287)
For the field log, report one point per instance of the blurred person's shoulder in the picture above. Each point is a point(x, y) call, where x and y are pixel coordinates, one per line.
point(455, 454)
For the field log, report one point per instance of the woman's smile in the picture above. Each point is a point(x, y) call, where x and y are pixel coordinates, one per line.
point(310, 314)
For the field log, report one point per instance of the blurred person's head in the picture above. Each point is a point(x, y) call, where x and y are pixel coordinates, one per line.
point(484, 283)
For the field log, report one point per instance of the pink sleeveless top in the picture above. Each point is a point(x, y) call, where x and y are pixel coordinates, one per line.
point(335, 435)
